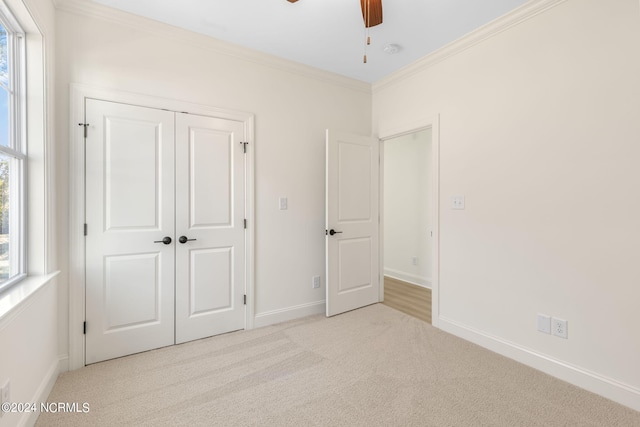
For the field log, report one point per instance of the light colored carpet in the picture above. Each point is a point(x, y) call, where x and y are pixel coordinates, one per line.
point(369, 367)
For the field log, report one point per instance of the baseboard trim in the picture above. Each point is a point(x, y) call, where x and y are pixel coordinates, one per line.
point(408, 277)
point(63, 364)
point(43, 391)
point(621, 393)
point(282, 315)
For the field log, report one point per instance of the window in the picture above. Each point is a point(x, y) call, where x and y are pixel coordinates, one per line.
point(12, 152)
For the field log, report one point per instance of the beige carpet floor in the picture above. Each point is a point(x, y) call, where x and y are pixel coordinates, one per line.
point(369, 367)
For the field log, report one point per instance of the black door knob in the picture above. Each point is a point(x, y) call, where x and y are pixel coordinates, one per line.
point(166, 240)
point(332, 232)
point(184, 239)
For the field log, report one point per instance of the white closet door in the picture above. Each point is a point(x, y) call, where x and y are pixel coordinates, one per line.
point(210, 234)
point(129, 211)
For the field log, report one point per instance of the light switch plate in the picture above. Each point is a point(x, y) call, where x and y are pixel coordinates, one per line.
point(457, 202)
point(544, 323)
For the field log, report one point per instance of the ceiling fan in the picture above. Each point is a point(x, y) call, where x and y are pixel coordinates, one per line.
point(371, 12)
point(371, 15)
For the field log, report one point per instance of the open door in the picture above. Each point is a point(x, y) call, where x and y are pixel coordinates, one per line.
point(352, 222)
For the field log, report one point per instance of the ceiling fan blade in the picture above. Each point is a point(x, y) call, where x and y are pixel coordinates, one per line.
point(374, 12)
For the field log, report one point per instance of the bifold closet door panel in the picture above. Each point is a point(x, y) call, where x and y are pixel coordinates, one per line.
point(210, 212)
point(130, 188)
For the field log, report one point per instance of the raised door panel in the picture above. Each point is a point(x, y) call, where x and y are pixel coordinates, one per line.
point(354, 178)
point(211, 281)
point(132, 288)
point(354, 265)
point(131, 174)
point(211, 178)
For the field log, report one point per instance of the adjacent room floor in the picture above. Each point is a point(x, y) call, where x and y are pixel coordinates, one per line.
point(408, 298)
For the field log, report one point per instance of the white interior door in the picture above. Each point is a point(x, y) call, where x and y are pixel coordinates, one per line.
point(165, 210)
point(352, 222)
point(210, 213)
point(129, 211)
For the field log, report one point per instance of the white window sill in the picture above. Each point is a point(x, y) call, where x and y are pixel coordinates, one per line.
point(19, 294)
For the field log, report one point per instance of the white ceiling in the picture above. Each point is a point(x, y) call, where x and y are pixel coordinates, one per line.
point(327, 34)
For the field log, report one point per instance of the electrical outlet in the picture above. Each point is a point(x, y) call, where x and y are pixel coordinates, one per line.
point(283, 203)
point(559, 328)
point(315, 282)
point(544, 323)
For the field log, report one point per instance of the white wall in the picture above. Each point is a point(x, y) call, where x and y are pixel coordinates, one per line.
point(539, 130)
point(407, 191)
point(29, 356)
point(292, 104)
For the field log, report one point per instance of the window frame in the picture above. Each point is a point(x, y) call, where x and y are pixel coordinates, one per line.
point(16, 150)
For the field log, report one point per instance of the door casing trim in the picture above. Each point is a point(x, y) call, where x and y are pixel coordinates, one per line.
point(78, 95)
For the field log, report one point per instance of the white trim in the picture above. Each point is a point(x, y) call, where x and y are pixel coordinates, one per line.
point(611, 389)
point(515, 17)
point(423, 282)
point(403, 129)
point(435, 212)
point(251, 225)
point(10, 22)
point(16, 149)
point(76, 230)
point(290, 313)
point(79, 93)
point(63, 363)
point(42, 393)
point(159, 29)
point(381, 220)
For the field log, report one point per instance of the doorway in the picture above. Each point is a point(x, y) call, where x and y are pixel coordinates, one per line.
point(408, 206)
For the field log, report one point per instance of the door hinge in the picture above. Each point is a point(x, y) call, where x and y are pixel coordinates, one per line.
point(245, 223)
point(244, 146)
point(85, 229)
point(84, 328)
point(245, 299)
point(86, 125)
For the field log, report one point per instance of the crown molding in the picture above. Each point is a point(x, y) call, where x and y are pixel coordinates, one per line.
point(160, 29)
point(503, 23)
